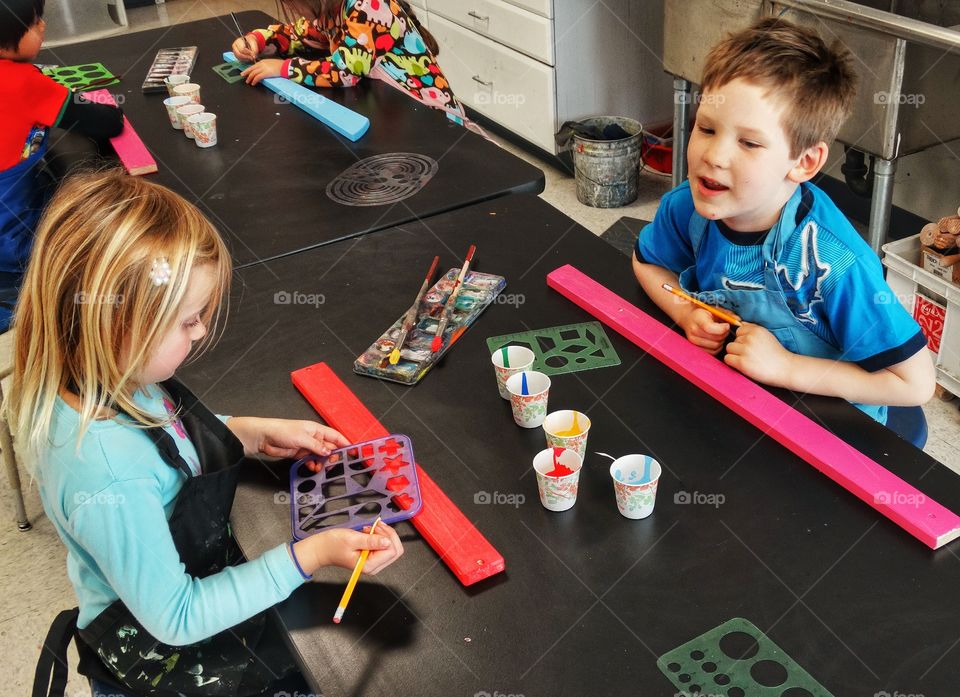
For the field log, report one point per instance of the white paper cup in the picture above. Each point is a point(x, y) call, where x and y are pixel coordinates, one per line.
point(184, 113)
point(508, 361)
point(529, 410)
point(188, 89)
point(172, 104)
point(562, 421)
point(635, 500)
point(557, 493)
point(204, 129)
point(174, 80)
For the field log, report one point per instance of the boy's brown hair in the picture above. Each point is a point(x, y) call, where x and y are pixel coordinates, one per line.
point(815, 83)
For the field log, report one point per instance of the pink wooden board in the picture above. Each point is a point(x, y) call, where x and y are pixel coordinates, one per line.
point(128, 146)
point(915, 512)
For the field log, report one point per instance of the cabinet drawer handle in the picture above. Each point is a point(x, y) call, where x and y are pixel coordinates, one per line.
point(476, 78)
point(480, 17)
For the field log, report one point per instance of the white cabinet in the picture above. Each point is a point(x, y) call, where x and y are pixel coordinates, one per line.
point(530, 65)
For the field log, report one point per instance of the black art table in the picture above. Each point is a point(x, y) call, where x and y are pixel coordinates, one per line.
point(589, 599)
point(264, 184)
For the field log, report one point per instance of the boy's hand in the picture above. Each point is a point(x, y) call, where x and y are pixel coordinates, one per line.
point(703, 330)
point(244, 49)
point(757, 354)
point(341, 547)
point(261, 70)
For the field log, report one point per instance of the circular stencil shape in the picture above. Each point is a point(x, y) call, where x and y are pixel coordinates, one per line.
point(768, 673)
point(796, 692)
point(382, 179)
point(739, 645)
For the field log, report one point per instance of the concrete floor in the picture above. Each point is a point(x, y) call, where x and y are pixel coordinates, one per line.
point(33, 581)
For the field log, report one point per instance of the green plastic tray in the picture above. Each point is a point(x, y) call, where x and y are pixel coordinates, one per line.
point(229, 72)
point(79, 77)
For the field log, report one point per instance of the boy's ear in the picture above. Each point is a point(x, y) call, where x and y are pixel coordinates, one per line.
point(809, 163)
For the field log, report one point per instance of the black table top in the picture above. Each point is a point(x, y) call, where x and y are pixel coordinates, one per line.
point(264, 183)
point(589, 599)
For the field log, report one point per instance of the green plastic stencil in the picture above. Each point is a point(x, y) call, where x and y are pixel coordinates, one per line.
point(737, 660)
point(564, 349)
point(229, 71)
point(79, 77)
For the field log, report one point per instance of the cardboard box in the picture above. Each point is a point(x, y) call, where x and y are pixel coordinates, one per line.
point(930, 315)
point(941, 265)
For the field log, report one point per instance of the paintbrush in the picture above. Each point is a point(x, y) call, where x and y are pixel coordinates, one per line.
point(451, 302)
point(411, 317)
point(239, 30)
point(716, 312)
point(354, 577)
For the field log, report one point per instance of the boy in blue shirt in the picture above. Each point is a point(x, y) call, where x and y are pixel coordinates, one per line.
point(750, 233)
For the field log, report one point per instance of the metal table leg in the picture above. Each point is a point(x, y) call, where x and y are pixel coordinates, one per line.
point(681, 115)
point(880, 202)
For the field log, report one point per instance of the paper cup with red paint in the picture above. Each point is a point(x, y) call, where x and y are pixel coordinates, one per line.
point(558, 477)
point(529, 405)
point(635, 479)
point(188, 89)
point(510, 360)
point(560, 431)
point(172, 104)
point(185, 112)
point(204, 128)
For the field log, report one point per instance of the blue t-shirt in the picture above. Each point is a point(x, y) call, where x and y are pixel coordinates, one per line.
point(110, 501)
point(830, 278)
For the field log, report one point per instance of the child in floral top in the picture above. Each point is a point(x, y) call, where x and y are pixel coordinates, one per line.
point(335, 43)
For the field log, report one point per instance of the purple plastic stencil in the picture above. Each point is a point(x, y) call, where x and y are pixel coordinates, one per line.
point(356, 484)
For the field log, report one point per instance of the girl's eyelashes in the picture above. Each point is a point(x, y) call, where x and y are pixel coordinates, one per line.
point(192, 322)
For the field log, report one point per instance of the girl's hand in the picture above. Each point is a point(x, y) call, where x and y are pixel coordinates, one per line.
point(757, 354)
point(285, 437)
point(341, 547)
point(245, 49)
point(703, 330)
point(268, 67)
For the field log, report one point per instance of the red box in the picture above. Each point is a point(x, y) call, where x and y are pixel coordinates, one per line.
point(930, 315)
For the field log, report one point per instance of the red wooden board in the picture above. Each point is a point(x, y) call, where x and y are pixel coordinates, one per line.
point(909, 508)
point(130, 149)
point(461, 546)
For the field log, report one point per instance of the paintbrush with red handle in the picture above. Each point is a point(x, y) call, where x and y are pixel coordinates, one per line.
point(451, 302)
point(411, 317)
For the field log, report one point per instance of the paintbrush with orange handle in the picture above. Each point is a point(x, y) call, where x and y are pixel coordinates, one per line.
point(451, 302)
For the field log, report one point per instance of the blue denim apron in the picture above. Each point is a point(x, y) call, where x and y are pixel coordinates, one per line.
point(23, 195)
point(767, 306)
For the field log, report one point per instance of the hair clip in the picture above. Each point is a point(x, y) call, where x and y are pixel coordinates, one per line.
point(160, 272)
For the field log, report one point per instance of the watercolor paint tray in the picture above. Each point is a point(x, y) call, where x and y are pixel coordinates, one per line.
point(167, 62)
point(478, 292)
point(355, 485)
point(564, 349)
point(736, 658)
point(81, 77)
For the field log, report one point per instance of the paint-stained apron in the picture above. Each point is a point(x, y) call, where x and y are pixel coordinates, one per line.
point(115, 648)
point(767, 306)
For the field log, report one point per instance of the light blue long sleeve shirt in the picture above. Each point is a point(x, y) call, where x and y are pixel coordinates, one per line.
point(110, 503)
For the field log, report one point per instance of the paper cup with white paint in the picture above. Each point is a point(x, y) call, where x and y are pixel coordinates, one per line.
point(635, 479)
point(530, 409)
point(172, 104)
point(185, 112)
point(175, 80)
point(204, 129)
point(558, 477)
point(188, 89)
point(563, 431)
point(510, 360)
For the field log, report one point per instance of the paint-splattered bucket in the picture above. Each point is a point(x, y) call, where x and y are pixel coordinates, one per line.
point(608, 171)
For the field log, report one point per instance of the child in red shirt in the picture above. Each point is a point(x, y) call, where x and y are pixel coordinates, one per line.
point(32, 103)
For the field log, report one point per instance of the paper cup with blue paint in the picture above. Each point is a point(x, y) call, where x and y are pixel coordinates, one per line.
point(567, 429)
point(558, 477)
point(529, 390)
point(510, 360)
point(635, 479)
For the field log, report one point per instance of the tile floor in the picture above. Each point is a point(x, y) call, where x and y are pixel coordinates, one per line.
point(33, 582)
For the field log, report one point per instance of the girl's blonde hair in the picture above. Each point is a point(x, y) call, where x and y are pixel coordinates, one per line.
point(94, 296)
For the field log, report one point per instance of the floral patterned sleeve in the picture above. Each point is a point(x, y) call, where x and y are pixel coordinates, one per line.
point(353, 55)
point(281, 37)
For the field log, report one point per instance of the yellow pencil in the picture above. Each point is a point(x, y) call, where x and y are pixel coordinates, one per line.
point(354, 577)
point(716, 312)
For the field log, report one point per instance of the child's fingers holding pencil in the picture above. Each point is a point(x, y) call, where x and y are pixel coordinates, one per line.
point(379, 560)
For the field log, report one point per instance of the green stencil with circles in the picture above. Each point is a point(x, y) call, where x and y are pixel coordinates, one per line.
point(737, 660)
point(229, 71)
point(79, 77)
point(564, 349)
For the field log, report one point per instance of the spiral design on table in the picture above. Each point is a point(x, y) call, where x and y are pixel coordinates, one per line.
point(382, 179)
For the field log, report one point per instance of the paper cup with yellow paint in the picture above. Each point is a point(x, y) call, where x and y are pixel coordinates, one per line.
point(567, 429)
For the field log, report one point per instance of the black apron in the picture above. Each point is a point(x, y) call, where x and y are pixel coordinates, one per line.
point(116, 650)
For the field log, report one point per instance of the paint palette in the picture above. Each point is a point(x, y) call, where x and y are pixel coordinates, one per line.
point(563, 349)
point(81, 77)
point(169, 61)
point(355, 485)
point(736, 659)
point(416, 359)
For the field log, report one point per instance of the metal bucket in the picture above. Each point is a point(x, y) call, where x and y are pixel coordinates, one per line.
point(608, 171)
